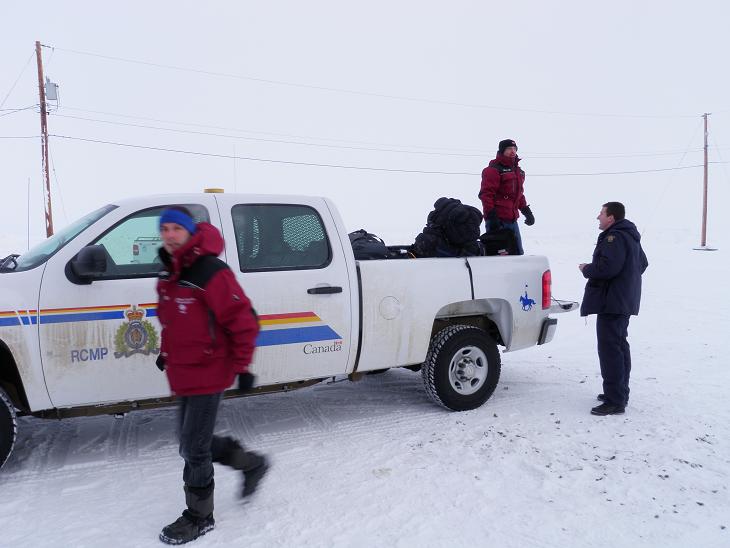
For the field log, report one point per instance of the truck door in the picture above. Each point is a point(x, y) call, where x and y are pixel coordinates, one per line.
point(290, 263)
point(99, 341)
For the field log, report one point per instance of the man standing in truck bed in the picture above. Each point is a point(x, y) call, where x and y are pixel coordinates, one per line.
point(502, 193)
point(209, 333)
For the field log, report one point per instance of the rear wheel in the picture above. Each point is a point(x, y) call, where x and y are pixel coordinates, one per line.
point(8, 427)
point(462, 367)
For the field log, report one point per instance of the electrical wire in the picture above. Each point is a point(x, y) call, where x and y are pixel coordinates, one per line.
point(2, 103)
point(366, 93)
point(727, 175)
point(9, 111)
point(239, 130)
point(343, 166)
point(58, 185)
point(259, 139)
point(536, 155)
point(251, 158)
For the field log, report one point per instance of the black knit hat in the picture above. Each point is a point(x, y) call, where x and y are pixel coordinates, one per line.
point(506, 143)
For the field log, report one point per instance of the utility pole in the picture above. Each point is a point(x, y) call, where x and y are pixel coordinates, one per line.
point(44, 141)
point(703, 240)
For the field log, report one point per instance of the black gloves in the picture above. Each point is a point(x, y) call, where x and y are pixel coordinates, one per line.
point(160, 362)
point(493, 222)
point(529, 217)
point(245, 381)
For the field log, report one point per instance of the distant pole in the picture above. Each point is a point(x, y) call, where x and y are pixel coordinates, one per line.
point(703, 243)
point(44, 142)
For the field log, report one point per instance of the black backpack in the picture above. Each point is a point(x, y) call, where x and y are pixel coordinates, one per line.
point(367, 246)
point(452, 230)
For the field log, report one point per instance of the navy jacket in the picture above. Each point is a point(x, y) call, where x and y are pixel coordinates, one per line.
point(614, 275)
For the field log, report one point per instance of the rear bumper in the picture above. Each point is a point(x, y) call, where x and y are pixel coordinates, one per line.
point(547, 331)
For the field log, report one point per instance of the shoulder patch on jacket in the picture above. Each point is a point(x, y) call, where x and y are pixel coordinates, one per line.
point(202, 270)
point(610, 238)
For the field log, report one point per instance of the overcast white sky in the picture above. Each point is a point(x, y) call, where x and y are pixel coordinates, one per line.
point(431, 86)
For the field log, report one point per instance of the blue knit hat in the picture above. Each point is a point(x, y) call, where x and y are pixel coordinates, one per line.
point(180, 216)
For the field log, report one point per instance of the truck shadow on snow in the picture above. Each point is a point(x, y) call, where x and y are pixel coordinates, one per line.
point(266, 422)
point(262, 421)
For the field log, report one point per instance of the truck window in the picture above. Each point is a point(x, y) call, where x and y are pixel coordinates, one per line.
point(279, 237)
point(132, 243)
point(47, 248)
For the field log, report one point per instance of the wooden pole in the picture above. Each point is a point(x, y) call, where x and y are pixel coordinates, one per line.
point(44, 141)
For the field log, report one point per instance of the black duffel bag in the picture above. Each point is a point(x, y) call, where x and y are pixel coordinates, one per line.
point(367, 246)
point(499, 242)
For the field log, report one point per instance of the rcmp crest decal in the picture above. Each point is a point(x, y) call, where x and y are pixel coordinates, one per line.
point(136, 336)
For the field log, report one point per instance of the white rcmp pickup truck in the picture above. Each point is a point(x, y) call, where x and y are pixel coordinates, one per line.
point(79, 333)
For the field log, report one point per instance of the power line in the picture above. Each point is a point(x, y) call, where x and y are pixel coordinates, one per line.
point(259, 139)
point(239, 130)
point(670, 181)
point(537, 155)
point(20, 136)
point(9, 111)
point(720, 156)
point(17, 80)
point(58, 186)
point(253, 159)
point(364, 93)
point(343, 166)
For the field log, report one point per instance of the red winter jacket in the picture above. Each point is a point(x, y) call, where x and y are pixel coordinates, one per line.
point(208, 326)
point(503, 188)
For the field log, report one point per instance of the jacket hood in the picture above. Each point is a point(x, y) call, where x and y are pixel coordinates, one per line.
point(207, 240)
point(626, 227)
point(507, 161)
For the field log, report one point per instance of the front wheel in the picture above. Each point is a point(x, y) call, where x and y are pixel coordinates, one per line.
point(462, 367)
point(8, 427)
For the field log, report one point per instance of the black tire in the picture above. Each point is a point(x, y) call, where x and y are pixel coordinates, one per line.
point(8, 427)
point(462, 367)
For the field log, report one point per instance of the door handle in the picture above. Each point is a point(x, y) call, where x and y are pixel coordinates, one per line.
point(325, 290)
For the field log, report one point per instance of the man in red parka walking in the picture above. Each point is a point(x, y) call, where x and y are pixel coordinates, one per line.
point(502, 193)
point(209, 334)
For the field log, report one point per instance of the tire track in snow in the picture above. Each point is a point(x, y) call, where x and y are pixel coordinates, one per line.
point(273, 423)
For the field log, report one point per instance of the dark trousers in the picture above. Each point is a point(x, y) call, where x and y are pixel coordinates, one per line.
point(614, 354)
point(198, 446)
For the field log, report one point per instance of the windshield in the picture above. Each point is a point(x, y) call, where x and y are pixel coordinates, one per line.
point(47, 248)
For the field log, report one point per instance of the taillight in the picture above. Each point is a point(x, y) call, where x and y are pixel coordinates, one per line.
point(547, 281)
point(135, 249)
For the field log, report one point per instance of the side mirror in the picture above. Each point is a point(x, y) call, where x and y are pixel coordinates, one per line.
point(89, 263)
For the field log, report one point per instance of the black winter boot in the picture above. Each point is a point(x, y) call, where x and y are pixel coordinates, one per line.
point(195, 521)
point(252, 476)
point(253, 465)
point(607, 408)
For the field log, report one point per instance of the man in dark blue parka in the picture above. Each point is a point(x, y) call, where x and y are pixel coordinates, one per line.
point(613, 292)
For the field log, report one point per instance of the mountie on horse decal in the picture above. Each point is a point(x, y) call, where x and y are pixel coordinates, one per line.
point(526, 301)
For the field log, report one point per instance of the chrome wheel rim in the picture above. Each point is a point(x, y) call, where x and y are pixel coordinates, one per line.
point(468, 370)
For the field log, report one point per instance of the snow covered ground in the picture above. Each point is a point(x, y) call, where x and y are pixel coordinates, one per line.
point(375, 463)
